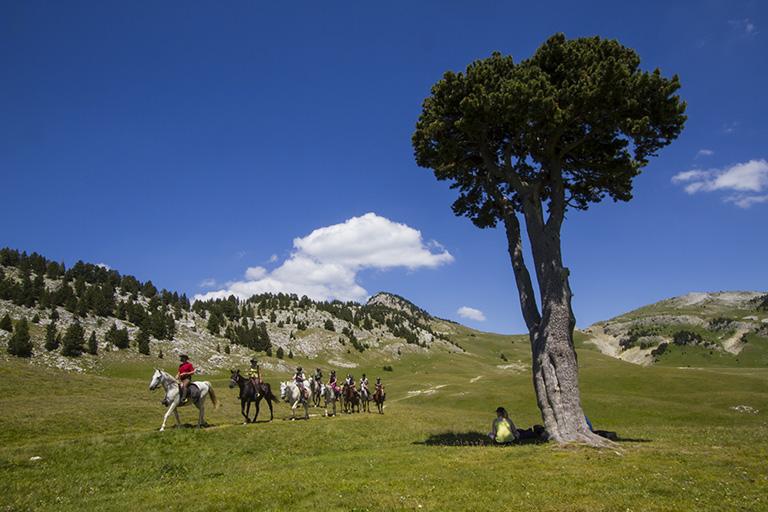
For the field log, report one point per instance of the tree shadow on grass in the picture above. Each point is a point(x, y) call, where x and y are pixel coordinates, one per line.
point(480, 439)
point(469, 439)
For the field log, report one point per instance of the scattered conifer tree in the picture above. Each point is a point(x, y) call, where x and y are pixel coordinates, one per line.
point(51, 337)
point(6, 324)
point(280, 352)
point(36, 319)
point(160, 354)
point(142, 340)
point(290, 354)
point(93, 344)
point(226, 349)
point(74, 338)
point(20, 345)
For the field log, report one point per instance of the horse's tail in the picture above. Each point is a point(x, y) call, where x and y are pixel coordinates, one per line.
point(216, 403)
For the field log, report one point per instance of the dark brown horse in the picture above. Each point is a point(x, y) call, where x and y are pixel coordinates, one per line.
point(378, 398)
point(351, 399)
point(250, 392)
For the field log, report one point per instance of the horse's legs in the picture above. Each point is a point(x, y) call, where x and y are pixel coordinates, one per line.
point(171, 409)
point(201, 417)
point(258, 401)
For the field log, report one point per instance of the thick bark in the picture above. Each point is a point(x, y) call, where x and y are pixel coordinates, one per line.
point(555, 368)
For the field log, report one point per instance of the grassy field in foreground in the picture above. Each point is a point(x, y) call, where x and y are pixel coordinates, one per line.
point(683, 448)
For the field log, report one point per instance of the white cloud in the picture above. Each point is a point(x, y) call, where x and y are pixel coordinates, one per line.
point(208, 282)
point(745, 201)
point(744, 178)
point(254, 273)
point(324, 264)
point(471, 313)
point(273, 258)
point(104, 266)
point(704, 152)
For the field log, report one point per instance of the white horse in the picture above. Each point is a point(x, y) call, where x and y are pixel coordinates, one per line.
point(172, 396)
point(290, 392)
point(327, 393)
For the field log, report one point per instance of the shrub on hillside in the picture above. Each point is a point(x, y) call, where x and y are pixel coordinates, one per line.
point(686, 338)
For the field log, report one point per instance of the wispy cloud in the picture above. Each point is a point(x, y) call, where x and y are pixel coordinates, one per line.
point(730, 128)
point(208, 282)
point(744, 27)
point(704, 152)
point(746, 179)
point(273, 258)
point(471, 313)
point(324, 264)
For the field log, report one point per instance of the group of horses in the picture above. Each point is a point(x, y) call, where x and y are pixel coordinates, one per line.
point(314, 391)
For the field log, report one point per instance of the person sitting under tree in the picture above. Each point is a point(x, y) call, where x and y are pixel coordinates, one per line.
point(503, 431)
point(184, 376)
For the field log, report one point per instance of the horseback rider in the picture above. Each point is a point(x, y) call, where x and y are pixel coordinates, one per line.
point(254, 373)
point(184, 376)
point(333, 384)
point(299, 379)
point(318, 375)
point(350, 381)
point(364, 385)
point(379, 385)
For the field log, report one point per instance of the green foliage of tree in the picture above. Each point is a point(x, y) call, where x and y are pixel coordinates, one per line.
point(213, 325)
point(6, 323)
point(568, 127)
point(328, 325)
point(280, 353)
point(74, 338)
point(51, 336)
point(20, 344)
point(290, 354)
point(93, 344)
point(142, 342)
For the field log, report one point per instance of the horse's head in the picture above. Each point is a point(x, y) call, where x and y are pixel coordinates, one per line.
point(283, 390)
point(234, 377)
point(157, 377)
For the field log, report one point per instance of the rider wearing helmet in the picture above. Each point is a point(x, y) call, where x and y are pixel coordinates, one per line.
point(379, 385)
point(254, 373)
point(364, 384)
point(350, 381)
point(299, 379)
point(318, 375)
point(184, 376)
point(332, 383)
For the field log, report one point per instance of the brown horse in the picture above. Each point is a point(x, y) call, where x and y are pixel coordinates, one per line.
point(378, 398)
point(250, 392)
point(351, 399)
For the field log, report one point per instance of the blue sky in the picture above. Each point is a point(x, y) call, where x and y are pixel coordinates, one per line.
point(186, 143)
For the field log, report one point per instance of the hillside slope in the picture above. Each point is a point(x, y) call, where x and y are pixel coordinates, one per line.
point(217, 334)
point(697, 329)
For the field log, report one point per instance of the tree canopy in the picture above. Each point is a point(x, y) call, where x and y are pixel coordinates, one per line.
point(571, 125)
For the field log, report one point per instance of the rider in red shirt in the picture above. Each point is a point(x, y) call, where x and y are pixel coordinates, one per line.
point(186, 370)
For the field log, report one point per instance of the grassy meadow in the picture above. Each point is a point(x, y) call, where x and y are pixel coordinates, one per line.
point(682, 448)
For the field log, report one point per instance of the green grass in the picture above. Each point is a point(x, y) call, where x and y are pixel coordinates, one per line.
point(684, 448)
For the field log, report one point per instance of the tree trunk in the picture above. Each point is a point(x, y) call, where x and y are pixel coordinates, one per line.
point(555, 367)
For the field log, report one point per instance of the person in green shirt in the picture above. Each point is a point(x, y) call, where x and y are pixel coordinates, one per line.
point(503, 431)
